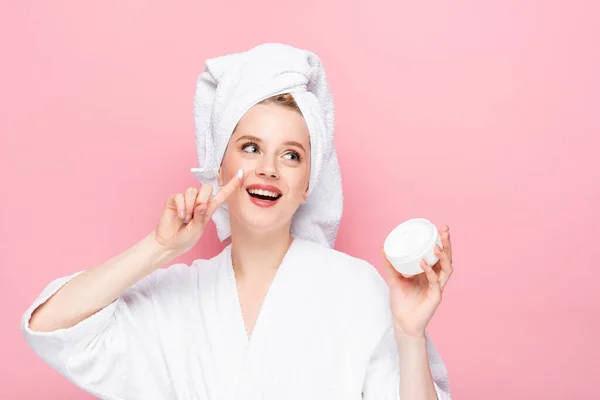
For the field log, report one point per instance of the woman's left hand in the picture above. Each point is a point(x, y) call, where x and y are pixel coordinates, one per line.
point(413, 300)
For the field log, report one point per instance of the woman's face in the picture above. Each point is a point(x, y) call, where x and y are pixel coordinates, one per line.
point(271, 144)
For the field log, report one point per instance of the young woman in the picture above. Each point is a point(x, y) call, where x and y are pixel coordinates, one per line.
point(278, 314)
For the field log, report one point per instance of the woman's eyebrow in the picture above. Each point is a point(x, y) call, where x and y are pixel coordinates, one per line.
point(249, 137)
point(259, 140)
point(296, 144)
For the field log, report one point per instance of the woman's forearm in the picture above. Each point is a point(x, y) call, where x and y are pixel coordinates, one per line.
point(416, 381)
point(99, 286)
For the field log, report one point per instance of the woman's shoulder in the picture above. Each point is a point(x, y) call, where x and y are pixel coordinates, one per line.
point(348, 286)
point(336, 264)
point(333, 257)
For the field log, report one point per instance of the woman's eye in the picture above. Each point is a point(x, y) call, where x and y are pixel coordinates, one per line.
point(250, 148)
point(293, 156)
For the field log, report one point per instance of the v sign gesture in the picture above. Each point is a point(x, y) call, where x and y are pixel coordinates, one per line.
point(185, 215)
point(414, 300)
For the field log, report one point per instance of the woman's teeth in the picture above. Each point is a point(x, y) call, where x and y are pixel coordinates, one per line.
point(263, 193)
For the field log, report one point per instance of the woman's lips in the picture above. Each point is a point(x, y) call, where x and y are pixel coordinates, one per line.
point(262, 195)
point(268, 188)
point(263, 203)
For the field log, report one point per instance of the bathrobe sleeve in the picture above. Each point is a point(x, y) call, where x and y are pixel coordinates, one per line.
point(115, 353)
point(382, 376)
point(382, 380)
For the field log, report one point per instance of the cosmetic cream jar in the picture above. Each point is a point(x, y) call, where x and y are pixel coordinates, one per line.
point(409, 243)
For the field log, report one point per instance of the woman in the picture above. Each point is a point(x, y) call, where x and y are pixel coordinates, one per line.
point(278, 314)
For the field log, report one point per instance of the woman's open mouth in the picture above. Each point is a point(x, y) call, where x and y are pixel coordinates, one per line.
point(263, 196)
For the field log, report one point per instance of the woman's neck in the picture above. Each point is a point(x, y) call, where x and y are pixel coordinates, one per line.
point(256, 255)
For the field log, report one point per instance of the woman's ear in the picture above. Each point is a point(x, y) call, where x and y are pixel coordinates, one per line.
point(219, 179)
point(305, 195)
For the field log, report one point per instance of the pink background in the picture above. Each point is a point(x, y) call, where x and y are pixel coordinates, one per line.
point(482, 115)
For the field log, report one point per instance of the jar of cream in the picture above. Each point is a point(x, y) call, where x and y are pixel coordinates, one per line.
point(409, 243)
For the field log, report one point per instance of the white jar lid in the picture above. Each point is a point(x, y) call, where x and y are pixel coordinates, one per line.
point(410, 239)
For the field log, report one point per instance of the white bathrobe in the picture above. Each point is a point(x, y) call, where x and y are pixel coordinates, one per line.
point(324, 332)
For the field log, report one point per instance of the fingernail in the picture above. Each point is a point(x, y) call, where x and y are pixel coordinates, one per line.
point(202, 209)
point(240, 173)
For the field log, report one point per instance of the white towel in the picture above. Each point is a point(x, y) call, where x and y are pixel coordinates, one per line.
point(230, 85)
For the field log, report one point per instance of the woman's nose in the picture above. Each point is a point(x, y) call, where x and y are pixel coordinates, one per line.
point(266, 168)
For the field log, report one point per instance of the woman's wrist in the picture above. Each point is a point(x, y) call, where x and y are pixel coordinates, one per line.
point(409, 340)
point(158, 254)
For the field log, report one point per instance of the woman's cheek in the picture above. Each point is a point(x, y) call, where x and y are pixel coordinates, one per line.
point(246, 164)
point(240, 160)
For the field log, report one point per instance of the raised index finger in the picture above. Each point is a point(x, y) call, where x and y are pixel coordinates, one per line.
point(225, 192)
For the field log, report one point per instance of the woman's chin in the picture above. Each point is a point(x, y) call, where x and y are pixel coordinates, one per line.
point(258, 222)
point(261, 220)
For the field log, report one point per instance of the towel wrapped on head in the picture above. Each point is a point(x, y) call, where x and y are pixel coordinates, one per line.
point(230, 85)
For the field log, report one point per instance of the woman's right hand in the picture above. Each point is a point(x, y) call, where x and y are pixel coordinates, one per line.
point(185, 215)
